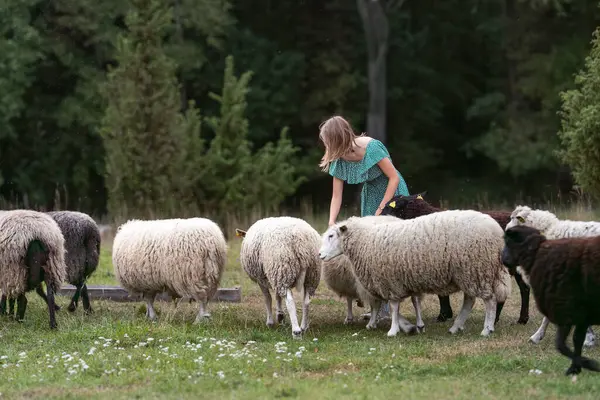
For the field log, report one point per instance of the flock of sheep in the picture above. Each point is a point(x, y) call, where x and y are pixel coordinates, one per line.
point(412, 249)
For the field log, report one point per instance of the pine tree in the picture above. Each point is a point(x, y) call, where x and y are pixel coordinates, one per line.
point(148, 141)
point(580, 114)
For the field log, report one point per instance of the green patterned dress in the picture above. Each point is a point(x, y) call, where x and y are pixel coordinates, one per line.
point(368, 172)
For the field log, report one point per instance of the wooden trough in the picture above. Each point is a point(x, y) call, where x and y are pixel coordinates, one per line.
point(118, 294)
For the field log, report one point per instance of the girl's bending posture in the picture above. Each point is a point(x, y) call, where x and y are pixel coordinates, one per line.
point(358, 159)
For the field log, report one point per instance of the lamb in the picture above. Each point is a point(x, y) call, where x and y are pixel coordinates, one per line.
point(408, 207)
point(553, 228)
point(32, 251)
point(337, 274)
point(565, 277)
point(183, 257)
point(441, 253)
point(281, 253)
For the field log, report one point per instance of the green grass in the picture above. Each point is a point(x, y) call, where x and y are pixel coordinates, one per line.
point(116, 354)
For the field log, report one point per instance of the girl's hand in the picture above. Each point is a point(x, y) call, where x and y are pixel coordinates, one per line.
point(331, 223)
point(378, 211)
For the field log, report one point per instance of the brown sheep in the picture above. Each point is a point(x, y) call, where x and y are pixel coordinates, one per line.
point(413, 206)
point(564, 275)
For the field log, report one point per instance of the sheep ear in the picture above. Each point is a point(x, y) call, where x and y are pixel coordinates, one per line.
point(419, 197)
point(343, 229)
point(392, 204)
point(240, 233)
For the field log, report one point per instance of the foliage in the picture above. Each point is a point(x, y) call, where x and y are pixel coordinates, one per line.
point(145, 136)
point(580, 132)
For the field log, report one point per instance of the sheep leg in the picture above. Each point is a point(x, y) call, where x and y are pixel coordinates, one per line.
point(541, 332)
point(11, 307)
point(590, 337)
point(21, 307)
point(459, 322)
point(398, 321)
point(150, 313)
point(3, 304)
point(291, 307)
point(490, 317)
point(51, 307)
point(578, 338)
point(445, 309)
point(375, 304)
point(85, 297)
point(525, 290)
point(40, 291)
point(416, 301)
point(279, 309)
point(499, 307)
point(75, 298)
point(268, 305)
point(305, 305)
point(349, 316)
point(203, 314)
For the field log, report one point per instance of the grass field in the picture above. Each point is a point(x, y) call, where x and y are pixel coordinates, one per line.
point(116, 354)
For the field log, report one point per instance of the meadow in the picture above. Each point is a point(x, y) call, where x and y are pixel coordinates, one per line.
point(116, 354)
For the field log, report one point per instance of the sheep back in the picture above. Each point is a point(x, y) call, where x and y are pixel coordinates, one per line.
point(82, 243)
point(438, 253)
point(18, 229)
point(185, 257)
point(281, 253)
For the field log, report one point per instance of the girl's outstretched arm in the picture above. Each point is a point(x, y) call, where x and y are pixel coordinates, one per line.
point(336, 200)
point(388, 168)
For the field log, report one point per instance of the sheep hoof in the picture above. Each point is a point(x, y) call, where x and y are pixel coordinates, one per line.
point(443, 317)
point(270, 324)
point(280, 318)
point(573, 370)
point(89, 311)
point(392, 332)
point(348, 321)
point(369, 326)
point(297, 335)
point(412, 330)
point(486, 332)
point(421, 329)
point(72, 307)
point(202, 319)
point(56, 307)
point(534, 339)
point(455, 330)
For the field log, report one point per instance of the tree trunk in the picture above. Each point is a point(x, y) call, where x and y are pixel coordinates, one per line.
point(375, 25)
point(179, 28)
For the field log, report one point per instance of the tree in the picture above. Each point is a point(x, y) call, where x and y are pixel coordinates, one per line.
point(580, 123)
point(148, 142)
point(375, 24)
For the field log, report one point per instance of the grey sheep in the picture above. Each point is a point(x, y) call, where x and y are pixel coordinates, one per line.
point(282, 253)
point(32, 251)
point(440, 253)
point(183, 257)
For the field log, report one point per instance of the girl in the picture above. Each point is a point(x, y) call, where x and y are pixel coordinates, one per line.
point(358, 159)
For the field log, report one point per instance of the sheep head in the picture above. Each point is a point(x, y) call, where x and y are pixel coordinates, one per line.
point(240, 233)
point(521, 243)
point(332, 242)
point(399, 205)
point(539, 219)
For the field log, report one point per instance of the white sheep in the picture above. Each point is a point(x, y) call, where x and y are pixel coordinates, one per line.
point(32, 251)
point(553, 228)
point(440, 253)
point(184, 257)
point(339, 276)
point(282, 253)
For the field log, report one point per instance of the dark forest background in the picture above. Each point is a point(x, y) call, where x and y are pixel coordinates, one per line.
point(464, 93)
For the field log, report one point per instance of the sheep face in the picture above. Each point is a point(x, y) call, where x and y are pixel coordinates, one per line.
point(397, 205)
point(520, 216)
point(332, 244)
point(520, 244)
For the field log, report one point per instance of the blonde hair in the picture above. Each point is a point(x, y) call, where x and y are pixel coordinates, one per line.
point(338, 137)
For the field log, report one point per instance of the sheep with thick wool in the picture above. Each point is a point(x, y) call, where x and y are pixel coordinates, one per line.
point(282, 253)
point(440, 253)
point(183, 257)
point(339, 277)
point(554, 228)
point(82, 246)
point(565, 279)
point(32, 251)
point(408, 207)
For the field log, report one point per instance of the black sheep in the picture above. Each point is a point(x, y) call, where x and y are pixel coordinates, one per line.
point(564, 275)
point(413, 206)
